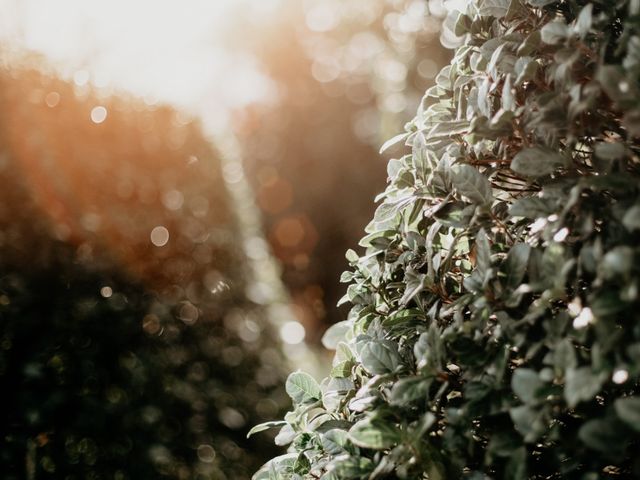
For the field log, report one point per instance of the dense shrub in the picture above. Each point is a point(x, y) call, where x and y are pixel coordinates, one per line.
point(121, 359)
point(494, 330)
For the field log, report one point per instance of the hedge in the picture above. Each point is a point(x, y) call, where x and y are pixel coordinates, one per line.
point(494, 325)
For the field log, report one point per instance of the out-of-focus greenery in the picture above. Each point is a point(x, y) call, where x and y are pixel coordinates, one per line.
point(346, 74)
point(494, 329)
point(121, 358)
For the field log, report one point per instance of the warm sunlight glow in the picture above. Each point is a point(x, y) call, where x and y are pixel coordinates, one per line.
point(171, 51)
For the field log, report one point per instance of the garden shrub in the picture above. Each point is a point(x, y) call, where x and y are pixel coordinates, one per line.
point(494, 325)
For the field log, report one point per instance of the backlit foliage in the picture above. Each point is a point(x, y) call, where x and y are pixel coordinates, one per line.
point(494, 329)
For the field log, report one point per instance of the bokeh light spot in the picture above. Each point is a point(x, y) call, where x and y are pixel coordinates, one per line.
point(52, 99)
point(322, 17)
point(81, 78)
point(188, 313)
point(232, 418)
point(151, 324)
point(106, 291)
point(159, 236)
point(427, 68)
point(98, 114)
point(620, 376)
point(292, 333)
point(206, 453)
point(173, 200)
point(289, 232)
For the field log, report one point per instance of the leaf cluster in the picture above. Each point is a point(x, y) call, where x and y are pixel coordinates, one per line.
point(494, 329)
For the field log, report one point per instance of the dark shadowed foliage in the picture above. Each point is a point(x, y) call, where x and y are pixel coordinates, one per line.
point(128, 348)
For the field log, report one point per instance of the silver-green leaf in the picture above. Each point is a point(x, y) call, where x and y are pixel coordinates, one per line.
point(302, 388)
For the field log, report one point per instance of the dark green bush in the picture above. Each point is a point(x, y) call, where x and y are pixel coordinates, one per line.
point(119, 359)
point(495, 331)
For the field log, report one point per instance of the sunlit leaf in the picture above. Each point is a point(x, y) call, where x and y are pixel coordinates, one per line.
point(471, 184)
point(302, 388)
point(536, 162)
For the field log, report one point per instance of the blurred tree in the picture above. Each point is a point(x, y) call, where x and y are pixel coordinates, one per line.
point(128, 346)
point(346, 73)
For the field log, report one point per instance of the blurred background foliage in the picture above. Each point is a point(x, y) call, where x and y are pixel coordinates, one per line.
point(143, 329)
point(129, 347)
point(348, 74)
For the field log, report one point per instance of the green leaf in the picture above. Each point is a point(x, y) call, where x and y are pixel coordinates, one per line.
point(503, 443)
point(532, 207)
point(554, 32)
point(283, 463)
point(302, 388)
point(335, 441)
point(302, 464)
point(584, 21)
point(530, 44)
point(429, 350)
point(266, 426)
point(422, 425)
point(380, 357)
point(448, 129)
point(564, 356)
point(581, 384)
point(409, 389)
point(494, 8)
point(351, 256)
point(335, 334)
point(419, 157)
point(610, 151)
point(508, 101)
point(525, 69)
point(617, 262)
point(471, 184)
point(386, 212)
point(517, 465)
point(526, 384)
point(628, 410)
point(415, 283)
point(631, 219)
point(515, 266)
point(528, 421)
point(342, 369)
point(463, 24)
point(600, 434)
point(376, 435)
point(483, 252)
point(394, 141)
point(285, 436)
point(455, 214)
point(536, 162)
point(345, 467)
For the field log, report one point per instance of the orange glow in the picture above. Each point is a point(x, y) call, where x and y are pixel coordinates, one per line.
point(275, 195)
point(289, 232)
